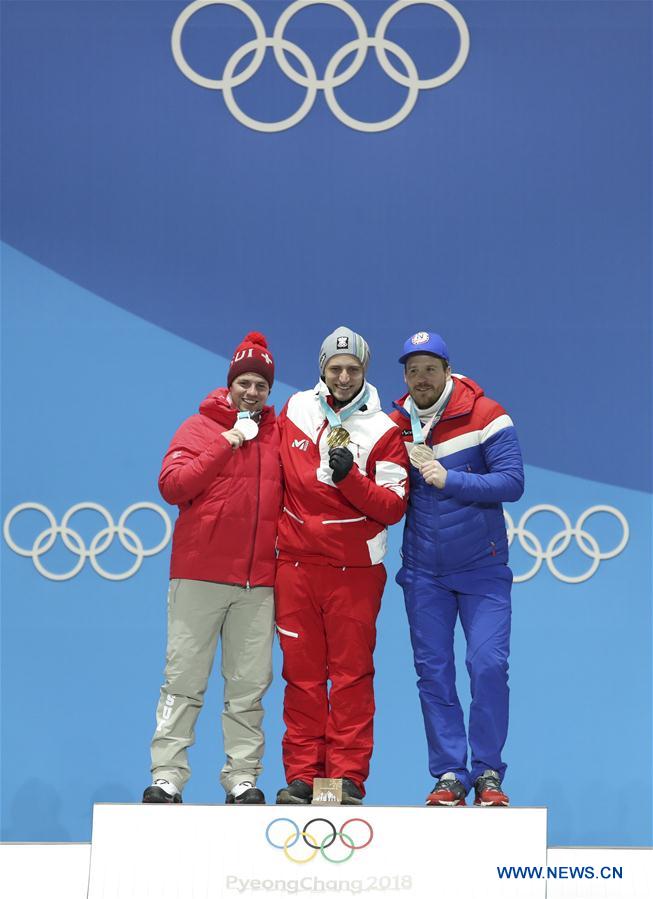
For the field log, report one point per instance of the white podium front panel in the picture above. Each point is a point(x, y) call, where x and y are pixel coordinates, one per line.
point(210, 852)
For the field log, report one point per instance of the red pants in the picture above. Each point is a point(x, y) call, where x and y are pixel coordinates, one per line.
point(326, 619)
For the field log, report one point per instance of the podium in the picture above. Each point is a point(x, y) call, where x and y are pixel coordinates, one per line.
point(211, 852)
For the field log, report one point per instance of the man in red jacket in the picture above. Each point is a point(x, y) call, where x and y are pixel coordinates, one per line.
point(345, 475)
point(222, 470)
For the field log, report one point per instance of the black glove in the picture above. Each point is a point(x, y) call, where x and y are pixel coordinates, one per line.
point(341, 461)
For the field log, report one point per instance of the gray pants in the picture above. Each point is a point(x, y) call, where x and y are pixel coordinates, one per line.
point(198, 613)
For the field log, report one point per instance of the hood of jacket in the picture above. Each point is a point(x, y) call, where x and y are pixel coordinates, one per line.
point(372, 406)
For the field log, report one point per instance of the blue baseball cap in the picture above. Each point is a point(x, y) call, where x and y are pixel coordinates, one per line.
point(425, 342)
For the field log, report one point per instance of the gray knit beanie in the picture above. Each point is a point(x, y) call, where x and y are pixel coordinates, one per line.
point(344, 340)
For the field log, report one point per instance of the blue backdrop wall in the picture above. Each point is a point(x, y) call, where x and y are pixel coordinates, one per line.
point(147, 226)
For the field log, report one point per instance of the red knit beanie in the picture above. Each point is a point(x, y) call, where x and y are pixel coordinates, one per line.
point(252, 355)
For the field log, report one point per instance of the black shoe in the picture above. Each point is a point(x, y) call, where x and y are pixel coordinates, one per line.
point(351, 795)
point(249, 796)
point(162, 791)
point(296, 793)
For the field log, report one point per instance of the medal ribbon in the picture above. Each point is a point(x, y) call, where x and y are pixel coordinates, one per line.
point(336, 420)
point(420, 433)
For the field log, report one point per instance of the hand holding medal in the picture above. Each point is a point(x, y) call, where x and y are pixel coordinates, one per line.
point(247, 427)
point(341, 461)
point(244, 429)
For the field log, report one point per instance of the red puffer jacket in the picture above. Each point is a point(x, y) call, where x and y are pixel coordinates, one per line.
point(229, 500)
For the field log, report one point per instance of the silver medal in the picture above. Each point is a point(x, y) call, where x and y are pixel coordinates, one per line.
point(247, 427)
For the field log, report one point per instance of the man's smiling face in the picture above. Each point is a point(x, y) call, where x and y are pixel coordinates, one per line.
point(426, 376)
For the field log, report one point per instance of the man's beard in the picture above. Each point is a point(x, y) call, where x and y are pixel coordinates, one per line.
point(426, 403)
point(338, 404)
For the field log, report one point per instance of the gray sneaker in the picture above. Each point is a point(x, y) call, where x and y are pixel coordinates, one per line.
point(351, 795)
point(448, 791)
point(488, 790)
point(296, 793)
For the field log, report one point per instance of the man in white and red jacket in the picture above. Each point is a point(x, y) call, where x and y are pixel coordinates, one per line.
point(222, 470)
point(345, 476)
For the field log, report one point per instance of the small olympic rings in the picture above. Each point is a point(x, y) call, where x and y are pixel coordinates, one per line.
point(331, 837)
point(73, 541)
point(299, 861)
point(345, 839)
point(286, 843)
point(360, 821)
point(315, 844)
point(309, 79)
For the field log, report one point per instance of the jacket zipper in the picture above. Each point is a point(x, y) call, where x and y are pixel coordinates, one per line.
point(344, 520)
point(319, 436)
point(258, 501)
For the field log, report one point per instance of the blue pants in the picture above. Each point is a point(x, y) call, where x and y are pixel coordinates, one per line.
point(482, 599)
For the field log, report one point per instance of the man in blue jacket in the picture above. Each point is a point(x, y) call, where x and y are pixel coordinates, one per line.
point(466, 461)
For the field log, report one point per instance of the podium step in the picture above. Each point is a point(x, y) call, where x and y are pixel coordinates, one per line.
point(202, 851)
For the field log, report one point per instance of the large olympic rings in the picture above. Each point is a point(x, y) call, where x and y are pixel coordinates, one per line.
point(314, 843)
point(309, 79)
point(588, 545)
point(74, 542)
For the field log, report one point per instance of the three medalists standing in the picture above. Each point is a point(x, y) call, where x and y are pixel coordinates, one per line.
point(345, 477)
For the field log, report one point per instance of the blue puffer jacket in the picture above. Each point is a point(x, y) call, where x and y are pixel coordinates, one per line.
point(461, 527)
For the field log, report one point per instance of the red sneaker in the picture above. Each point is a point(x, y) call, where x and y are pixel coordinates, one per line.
point(488, 790)
point(448, 791)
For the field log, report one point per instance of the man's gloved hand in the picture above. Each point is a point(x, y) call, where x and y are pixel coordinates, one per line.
point(341, 461)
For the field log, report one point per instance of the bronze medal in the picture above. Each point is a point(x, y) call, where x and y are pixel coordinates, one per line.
point(419, 453)
point(338, 437)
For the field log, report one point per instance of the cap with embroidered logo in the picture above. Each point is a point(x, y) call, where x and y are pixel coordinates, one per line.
point(252, 354)
point(425, 342)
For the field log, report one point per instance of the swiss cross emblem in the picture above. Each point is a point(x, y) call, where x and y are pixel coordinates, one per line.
point(342, 343)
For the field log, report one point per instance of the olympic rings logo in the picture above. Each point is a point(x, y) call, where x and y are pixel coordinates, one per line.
point(309, 79)
point(73, 541)
point(560, 541)
point(318, 843)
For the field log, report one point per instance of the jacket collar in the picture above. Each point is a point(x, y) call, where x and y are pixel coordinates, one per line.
point(373, 403)
point(465, 393)
point(218, 407)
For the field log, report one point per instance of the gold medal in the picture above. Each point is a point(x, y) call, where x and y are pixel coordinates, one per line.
point(338, 437)
point(419, 453)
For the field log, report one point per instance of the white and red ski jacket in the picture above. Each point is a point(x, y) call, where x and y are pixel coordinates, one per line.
point(342, 524)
